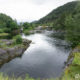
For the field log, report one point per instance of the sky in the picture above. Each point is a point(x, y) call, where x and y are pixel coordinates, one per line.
point(29, 10)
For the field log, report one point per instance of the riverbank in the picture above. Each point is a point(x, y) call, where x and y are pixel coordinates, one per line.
point(72, 70)
point(39, 29)
point(9, 51)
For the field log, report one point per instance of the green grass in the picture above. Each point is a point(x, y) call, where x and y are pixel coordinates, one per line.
point(3, 44)
point(26, 78)
point(4, 36)
point(73, 71)
point(76, 59)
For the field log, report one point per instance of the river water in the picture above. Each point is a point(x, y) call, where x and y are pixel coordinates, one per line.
point(44, 58)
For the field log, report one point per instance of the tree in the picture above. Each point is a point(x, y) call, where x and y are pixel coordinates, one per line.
point(73, 29)
point(26, 25)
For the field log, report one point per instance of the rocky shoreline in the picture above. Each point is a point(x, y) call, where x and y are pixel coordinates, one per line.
point(71, 56)
point(9, 53)
point(70, 66)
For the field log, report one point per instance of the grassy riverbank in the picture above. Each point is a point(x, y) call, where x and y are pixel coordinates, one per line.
point(8, 78)
point(72, 72)
point(26, 78)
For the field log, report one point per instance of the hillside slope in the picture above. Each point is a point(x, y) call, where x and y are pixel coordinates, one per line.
point(57, 13)
point(65, 19)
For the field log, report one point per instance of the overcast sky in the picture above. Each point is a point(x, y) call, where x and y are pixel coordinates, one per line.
point(29, 10)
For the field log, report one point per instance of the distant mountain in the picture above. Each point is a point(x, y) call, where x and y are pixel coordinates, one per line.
point(57, 13)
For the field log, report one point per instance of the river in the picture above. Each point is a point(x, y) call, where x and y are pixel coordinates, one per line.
point(44, 58)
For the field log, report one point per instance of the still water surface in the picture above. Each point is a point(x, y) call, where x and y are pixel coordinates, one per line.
point(44, 58)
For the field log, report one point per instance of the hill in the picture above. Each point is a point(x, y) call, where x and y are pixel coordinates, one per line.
point(65, 19)
point(57, 13)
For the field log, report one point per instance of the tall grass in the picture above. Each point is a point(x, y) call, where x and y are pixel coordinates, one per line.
point(2, 77)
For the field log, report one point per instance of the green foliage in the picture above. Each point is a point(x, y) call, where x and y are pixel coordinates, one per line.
point(4, 36)
point(76, 59)
point(66, 19)
point(13, 25)
point(7, 30)
point(26, 32)
point(4, 20)
point(18, 39)
point(1, 30)
point(73, 71)
point(26, 25)
point(7, 24)
point(26, 78)
point(57, 13)
point(72, 29)
point(72, 23)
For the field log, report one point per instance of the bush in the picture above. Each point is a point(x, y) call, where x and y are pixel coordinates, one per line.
point(1, 30)
point(26, 32)
point(18, 39)
point(7, 30)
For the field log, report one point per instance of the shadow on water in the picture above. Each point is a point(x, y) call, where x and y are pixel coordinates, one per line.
point(44, 58)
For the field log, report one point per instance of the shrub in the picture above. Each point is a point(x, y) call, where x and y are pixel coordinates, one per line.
point(18, 39)
point(7, 30)
point(1, 30)
point(26, 32)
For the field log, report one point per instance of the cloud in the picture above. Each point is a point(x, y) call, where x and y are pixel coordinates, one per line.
point(29, 10)
point(38, 2)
